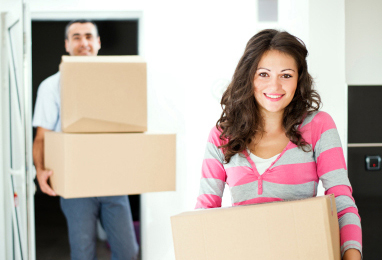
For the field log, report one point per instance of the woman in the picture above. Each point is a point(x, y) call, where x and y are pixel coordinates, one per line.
point(272, 143)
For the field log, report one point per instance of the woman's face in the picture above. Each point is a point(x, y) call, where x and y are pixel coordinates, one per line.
point(275, 81)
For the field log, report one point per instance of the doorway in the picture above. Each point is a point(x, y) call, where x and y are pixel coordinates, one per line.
point(118, 37)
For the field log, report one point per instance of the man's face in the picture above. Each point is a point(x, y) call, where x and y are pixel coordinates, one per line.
point(82, 40)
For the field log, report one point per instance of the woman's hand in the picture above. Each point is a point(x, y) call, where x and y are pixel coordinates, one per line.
point(352, 254)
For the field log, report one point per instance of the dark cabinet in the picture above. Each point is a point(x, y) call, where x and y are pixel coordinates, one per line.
point(365, 139)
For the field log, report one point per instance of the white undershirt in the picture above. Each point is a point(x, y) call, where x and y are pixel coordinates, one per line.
point(262, 164)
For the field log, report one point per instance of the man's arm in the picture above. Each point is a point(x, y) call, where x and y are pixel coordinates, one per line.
point(38, 158)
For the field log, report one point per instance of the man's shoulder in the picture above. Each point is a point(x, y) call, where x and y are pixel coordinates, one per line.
point(55, 78)
point(51, 81)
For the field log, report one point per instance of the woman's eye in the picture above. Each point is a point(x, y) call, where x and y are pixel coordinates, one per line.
point(263, 74)
point(287, 76)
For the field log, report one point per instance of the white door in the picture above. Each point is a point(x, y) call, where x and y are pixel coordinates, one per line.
point(17, 238)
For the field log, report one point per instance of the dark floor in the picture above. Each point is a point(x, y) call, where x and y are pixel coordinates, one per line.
point(51, 231)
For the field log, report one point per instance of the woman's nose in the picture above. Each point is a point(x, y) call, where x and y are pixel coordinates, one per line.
point(275, 82)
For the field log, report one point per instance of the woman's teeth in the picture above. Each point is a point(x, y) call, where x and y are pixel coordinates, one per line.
point(273, 96)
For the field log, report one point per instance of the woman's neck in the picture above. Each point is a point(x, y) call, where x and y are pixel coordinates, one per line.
point(273, 140)
point(273, 122)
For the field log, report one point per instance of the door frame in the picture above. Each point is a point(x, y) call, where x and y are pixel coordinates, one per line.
point(99, 16)
point(17, 219)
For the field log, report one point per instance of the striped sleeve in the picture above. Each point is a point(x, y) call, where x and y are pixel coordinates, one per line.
point(332, 171)
point(213, 177)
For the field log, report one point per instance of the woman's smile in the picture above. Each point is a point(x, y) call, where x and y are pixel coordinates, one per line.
point(274, 97)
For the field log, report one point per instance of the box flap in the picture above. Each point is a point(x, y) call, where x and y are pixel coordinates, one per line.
point(103, 96)
point(103, 59)
point(84, 125)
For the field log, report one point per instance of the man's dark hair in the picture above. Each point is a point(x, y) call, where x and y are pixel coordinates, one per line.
point(79, 21)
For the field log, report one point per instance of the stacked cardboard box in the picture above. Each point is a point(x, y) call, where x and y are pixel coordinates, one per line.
point(290, 230)
point(103, 150)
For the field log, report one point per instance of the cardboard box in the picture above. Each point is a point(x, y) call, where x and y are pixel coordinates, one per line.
point(291, 230)
point(102, 94)
point(88, 165)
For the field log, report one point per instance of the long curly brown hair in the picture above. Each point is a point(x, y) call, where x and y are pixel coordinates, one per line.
point(241, 120)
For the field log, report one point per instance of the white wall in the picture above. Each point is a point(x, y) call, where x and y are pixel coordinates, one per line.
point(192, 49)
point(327, 60)
point(363, 42)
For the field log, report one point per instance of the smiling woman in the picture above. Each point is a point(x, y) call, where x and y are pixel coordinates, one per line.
point(272, 143)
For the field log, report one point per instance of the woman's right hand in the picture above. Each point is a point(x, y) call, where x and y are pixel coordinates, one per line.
point(352, 254)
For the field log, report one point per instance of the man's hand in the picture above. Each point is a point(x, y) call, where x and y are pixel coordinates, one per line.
point(38, 157)
point(352, 254)
point(42, 178)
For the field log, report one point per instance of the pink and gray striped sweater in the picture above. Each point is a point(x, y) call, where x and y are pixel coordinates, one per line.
point(293, 175)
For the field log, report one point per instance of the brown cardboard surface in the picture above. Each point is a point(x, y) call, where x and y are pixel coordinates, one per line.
point(88, 165)
point(295, 230)
point(103, 94)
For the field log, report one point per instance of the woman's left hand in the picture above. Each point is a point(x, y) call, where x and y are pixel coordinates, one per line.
point(352, 254)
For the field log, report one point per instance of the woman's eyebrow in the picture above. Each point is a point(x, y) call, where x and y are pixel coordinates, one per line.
point(287, 69)
point(264, 69)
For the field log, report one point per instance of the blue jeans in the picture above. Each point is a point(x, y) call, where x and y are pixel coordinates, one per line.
point(115, 215)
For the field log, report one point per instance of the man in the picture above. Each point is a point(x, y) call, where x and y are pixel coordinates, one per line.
point(81, 38)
